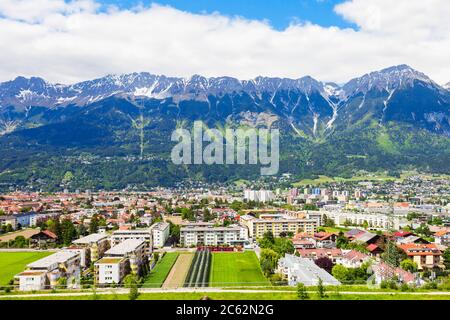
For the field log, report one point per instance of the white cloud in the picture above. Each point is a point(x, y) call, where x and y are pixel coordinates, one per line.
point(73, 41)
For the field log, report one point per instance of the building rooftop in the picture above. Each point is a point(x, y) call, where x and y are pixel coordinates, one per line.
point(109, 260)
point(95, 237)
point(54, 259)
point(160, 226)
point(125, 247)
point(306, 271)
point(135, 231)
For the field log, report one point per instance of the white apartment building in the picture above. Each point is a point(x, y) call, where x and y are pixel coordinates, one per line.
point(120, 236)
point(206, 234)
point(259, 195)
point(302, 270)
point(94, 245)
point(160, 232)
point(111, 270)
point(127, 256)
point(45, 273)
point(378, 221)
point(276, 224)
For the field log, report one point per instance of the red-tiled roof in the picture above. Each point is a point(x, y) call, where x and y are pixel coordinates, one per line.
point(50, 234)
point(372, 247)
point(402, 233)
point(419, 249)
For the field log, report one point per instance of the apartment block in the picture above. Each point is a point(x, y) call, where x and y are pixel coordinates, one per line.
point(160, 233)
point(146, 235)
point(126, 257)
point(277, 223)
point(95, 246)
point(45, 273)
point(194, 234)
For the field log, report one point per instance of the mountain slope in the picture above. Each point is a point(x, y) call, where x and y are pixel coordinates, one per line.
point(115, 131)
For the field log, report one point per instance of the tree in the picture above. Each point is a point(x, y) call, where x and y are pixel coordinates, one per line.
point(310, 207)
point(93, 225)
point(62, 283)
point(324, 263)
point(302, 294)
point(341, 273)
point(20, 242)
point(131, 282)
point(408, 265)
point(392, 254)
point(341, 240)
point(81, 230)
point(321, 291)
point(68, 232)
point(267, 240)
point(268, 261)
point(446, 257)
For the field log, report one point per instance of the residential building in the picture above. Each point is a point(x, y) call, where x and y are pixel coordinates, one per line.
point(442, 237)
point(45, 273)
point(8, 220)
point(316, 253)
point(111, 270)
point(136, 234)
point(133, 249)
point(259, 195)
point(95, 246)
point(302, 270)
point(194, 234)
point(160, 232)
point(427, 256)
point(353, 259)
point(43, 238)
point(277, 223)
point(376, 221)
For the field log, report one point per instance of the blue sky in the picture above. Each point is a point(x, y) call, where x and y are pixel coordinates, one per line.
point(278, 12)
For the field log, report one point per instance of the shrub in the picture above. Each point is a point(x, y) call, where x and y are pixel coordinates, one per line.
point(302, 294)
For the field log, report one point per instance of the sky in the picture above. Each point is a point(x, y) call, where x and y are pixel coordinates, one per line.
point(67, 41)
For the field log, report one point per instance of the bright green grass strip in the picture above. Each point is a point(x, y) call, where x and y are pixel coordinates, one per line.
point(159, 274)
point(236, 269)
point(12, 263)
point(242, 296)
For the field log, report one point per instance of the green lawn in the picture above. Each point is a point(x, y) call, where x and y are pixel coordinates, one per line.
point(236, 269)
point(12, 263)
point(241, 296)
point(159, 274)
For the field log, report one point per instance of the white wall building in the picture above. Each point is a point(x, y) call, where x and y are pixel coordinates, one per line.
point(160, 232)
point(259, 195)
point(120, 236)
point(302, 270)
point(206, 234)
point(45, 273)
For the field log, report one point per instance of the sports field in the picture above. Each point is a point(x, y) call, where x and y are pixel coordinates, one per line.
point(12, 263)
point(159, 274)
point(177, 274)
point(231, 269)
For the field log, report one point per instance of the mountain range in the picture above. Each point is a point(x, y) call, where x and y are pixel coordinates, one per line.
point(385, 120)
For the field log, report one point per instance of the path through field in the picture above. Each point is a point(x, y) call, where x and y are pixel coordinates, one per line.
point(177, 275)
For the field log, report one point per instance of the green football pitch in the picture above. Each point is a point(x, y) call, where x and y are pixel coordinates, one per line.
point(236, 269)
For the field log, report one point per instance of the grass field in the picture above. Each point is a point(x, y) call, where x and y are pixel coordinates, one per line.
point(159, 274)
point(236, 269)
point(240, 296)
point(12, 263)
point(177, 274)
